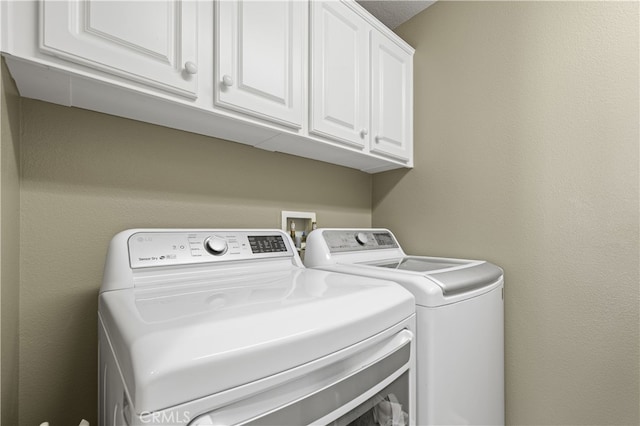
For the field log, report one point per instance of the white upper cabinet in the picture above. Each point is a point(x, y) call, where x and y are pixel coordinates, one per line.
point(361, 82)
point(391, 99)
point(339, 74)
point(259, 59)
point(151, 42)
point(321, 79)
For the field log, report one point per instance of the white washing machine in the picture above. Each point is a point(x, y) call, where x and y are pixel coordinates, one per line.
point(227, 327)
point(460, 320)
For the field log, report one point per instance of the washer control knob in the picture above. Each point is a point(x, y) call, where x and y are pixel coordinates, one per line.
point(362, 238)
point(215, 245)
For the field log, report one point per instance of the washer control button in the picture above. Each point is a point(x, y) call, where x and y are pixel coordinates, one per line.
point(362, 238)
point(217, 246)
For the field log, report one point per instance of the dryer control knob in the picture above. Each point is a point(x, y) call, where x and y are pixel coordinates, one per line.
point(215, 245)
point(361, 238)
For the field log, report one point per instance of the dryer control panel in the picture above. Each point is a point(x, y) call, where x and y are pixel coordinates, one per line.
point(167, 248)
point(356, 240)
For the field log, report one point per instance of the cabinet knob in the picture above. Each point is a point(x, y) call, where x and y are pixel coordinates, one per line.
point(227, 80)
point(363, 133)
point(190, 67)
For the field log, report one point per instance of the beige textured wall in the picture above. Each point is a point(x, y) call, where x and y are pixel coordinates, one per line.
point(527, 146)
point(86, 176)
point(9, 246)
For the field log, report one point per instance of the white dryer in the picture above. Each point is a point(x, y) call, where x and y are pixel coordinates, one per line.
point(460, 320)
point(227, 327)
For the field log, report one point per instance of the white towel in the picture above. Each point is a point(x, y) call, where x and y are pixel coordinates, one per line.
point(388, 412)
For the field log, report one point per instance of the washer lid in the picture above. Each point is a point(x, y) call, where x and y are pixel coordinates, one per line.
point(174, 346)
point(421, 264)
point(452, 275)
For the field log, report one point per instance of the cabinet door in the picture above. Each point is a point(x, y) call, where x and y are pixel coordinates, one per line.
point(391, 99)
point(259, 58)
point(339, 74)
point(152, 42)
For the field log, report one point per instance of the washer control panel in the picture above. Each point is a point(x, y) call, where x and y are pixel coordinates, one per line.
point(148, 249)
point(357, 240)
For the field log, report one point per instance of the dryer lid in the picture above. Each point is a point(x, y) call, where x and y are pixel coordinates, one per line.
point(177, 346)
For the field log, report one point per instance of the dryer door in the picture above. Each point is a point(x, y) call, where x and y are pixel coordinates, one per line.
point(370, 388)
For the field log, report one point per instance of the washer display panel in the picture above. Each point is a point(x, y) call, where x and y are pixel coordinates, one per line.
point(341, 241)
point(266, 244)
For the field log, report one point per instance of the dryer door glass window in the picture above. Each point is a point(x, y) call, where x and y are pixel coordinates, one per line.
point(388, 407)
